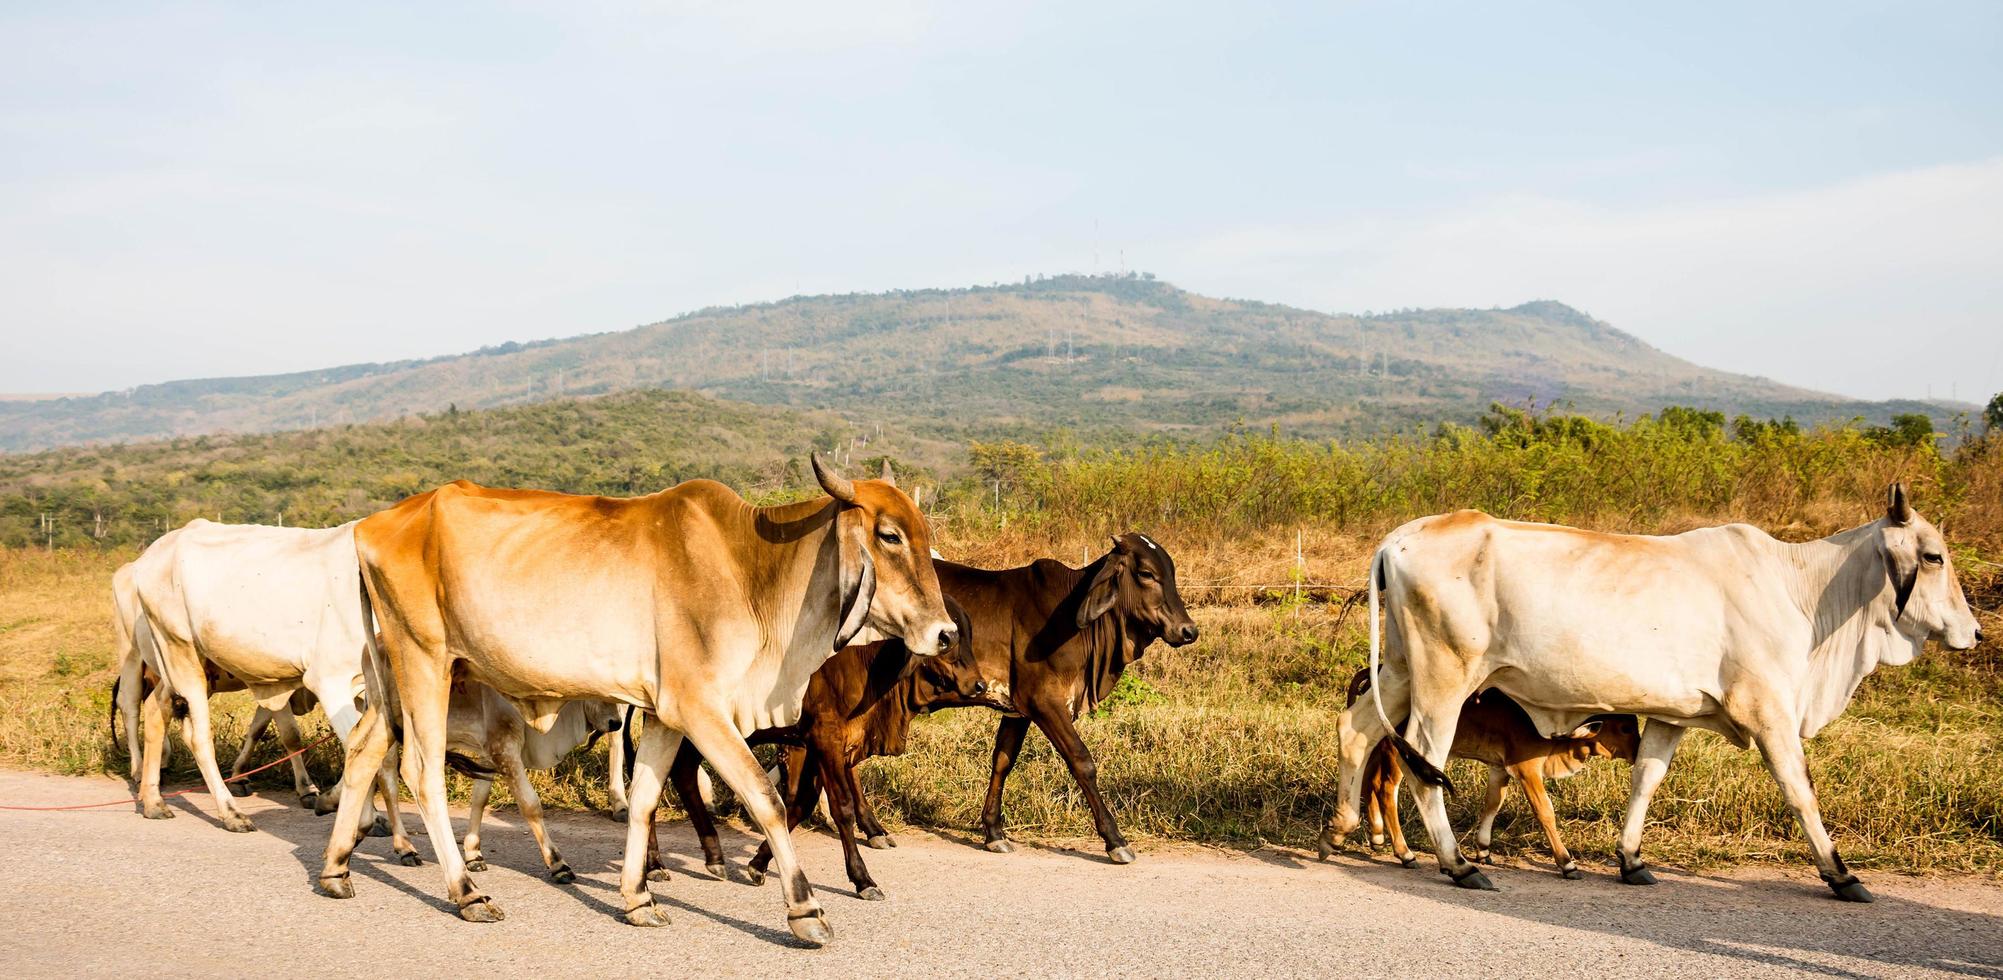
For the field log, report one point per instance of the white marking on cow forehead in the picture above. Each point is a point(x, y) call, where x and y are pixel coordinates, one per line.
point(1150, 543)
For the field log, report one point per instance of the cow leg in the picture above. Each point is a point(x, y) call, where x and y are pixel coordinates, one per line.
point(1651, 762)
point(127, 694)
point(1534, 790)
point(800, 787)
point(687, 763)
point(476, 810)
point(719, 742)
point(1491, 804)
point(1780, 745)
point(368, 746)
point(654, 750)
point(843, 792)
point(1357, 734)
point(425, 692)
point(615, 768)
point(1008, 745)
point(872, 828)
point(153, 719)
point(1374, 775)
point(406, 852)
point(530, 806)
point(1430, 729)
point(259, 721)
point(302, 778)
point(1056, 725)
point(201, 742)
point(1386, 802)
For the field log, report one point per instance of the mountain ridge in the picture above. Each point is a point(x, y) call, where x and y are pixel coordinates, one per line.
point(1107, 356)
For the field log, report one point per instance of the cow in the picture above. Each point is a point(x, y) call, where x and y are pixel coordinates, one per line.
point(1725, 629)
point(1495, 731)
point(487, 737)
point(1058, 639)
point(705, 612)
point(211, 607)
point(859, 705)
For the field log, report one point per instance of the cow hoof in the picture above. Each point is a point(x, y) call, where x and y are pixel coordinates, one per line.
point(380, 828)
point(237, 823)
point(476, 863)
point(657, 873)
point(881, 842)
point(1571, 874)
point(157, 811)
point(871, 894)
point(240, 787)
point(1484, 857)
point(1852, 891)
point(1637, 875)
point(720, 872)
point(1474, 880)
point(618, 815)
point(1409, 860)
point(1001, 846)
point(481, 910)
point(811, 929)
point(1121, 855)
point(324, 804)
point(750, 876)
point(648, 915)
point(1325, 844)
point(563, 875)
point(337, 887)
point(409, 859)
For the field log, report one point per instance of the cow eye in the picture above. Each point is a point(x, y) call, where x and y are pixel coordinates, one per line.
point(1933, 558)
point(1145, 575)
point(889, 537)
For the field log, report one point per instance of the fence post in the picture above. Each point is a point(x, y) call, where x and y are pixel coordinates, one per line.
point(1300, 569)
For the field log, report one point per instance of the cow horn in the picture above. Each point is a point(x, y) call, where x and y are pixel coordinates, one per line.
point(888, 477)
point(834, 483)
point(1897, 509)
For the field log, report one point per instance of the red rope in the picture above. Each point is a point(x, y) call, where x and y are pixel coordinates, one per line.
point(288, 757)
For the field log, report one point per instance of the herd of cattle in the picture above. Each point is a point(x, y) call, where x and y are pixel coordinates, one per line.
point(495, 631)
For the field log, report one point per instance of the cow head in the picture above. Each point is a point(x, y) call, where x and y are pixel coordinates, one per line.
point(600, 717)
point(1927, 599)
point(1610, 736)
point(952, 679)
point(1137, 580)
point(887, 580)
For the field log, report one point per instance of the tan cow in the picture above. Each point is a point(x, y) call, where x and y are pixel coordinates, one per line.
point(488, 738)
point(1724, 628)
point(1493, 730)
point(698, 608)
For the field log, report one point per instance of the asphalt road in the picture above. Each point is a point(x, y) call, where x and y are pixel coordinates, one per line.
point(103, 891)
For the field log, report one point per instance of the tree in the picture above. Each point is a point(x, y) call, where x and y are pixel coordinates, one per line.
point(1994, 413)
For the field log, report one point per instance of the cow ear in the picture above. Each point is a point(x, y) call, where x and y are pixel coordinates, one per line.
point(1903, 567)
point(1898, 510)
point(857, 575)
point(1104, 590)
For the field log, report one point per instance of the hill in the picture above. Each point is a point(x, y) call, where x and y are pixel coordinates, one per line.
point(1110, 358)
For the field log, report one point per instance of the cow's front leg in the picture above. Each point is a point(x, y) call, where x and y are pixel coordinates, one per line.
point(843, 792)
point(687, 765)
point(302, 778)
point(866, 819)
point(800, 787)
point(368, 746)
point(1651, 763)
point(530, 805)
point(259, 721)
point(1056, 725)
point(615, 768)
point(720, 742)
point(1780, 745)
point(1491, 804)
point(1008, 746)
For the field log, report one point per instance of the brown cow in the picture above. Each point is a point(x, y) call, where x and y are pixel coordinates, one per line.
point(859, 705)
point(1495, 730)
point(1062, 636)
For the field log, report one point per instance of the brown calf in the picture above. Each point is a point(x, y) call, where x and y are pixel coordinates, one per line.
point(858, 705)
point(1495, 730)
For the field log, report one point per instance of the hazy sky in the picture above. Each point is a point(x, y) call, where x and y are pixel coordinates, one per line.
point(1812, 192)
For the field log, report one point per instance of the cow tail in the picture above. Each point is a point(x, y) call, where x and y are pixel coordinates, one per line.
point(1421, 769)
point(376, 674)
point(115, 681)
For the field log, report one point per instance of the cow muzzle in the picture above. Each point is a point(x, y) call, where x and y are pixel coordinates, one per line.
point(1181, 635)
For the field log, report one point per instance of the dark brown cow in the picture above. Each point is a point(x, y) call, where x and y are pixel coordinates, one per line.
point(1062, 636)
point(858, 705)
point(1495, 730)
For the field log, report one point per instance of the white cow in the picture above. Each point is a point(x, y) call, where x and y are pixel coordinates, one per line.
point(1725, 629)
point(274, 609)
